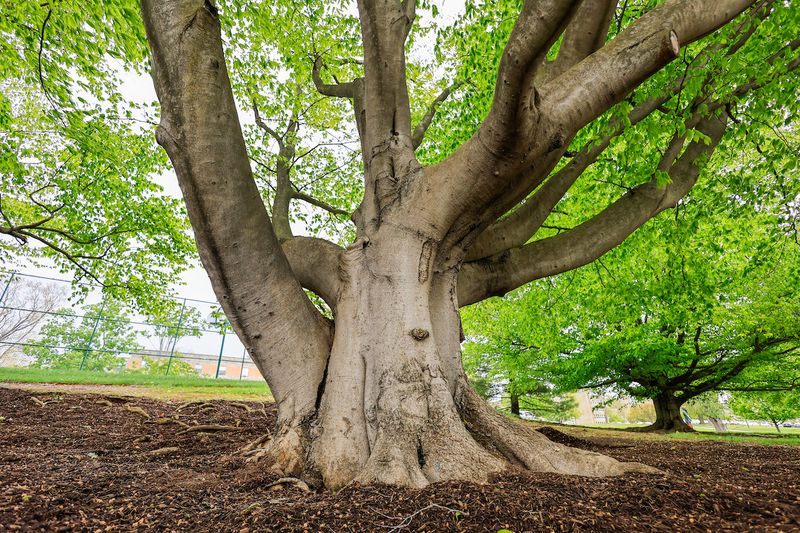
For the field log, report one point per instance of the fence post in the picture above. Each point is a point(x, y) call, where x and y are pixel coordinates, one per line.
point(219, 359)
point(175, 340)
point(10, 279)
point(241, 368)
point(94, 330)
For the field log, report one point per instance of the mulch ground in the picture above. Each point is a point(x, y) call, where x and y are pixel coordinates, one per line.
point(75, 464)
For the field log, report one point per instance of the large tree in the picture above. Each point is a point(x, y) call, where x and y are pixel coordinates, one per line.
point(382, 396)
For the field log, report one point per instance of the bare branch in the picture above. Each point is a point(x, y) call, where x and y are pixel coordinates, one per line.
point(263, 125)
point(319, 203)
point(419, 132)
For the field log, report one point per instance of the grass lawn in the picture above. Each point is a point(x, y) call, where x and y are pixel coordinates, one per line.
point(163, 387)
point(740, 434)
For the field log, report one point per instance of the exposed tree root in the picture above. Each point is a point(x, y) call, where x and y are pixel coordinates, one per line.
point(164, 451)
point(42, 403)
point(163, 421)
point(244, 406)
point(527, 448)
point(207, 428)
point(256, 444)
point(199, 403)
point(299, 483)
point(103, 401)
point(137, 410)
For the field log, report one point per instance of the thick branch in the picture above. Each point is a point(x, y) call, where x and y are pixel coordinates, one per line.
point(315, 263)
point(585, 34)
point(590, 240)
point(516, 139)
point(522, 224)
point(604, 78)
point(283, 332)
point(340, 90)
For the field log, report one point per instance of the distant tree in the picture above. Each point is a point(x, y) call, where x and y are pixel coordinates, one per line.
point(23, 308)
point(774, 406)
point(641, 412)
point(157, 366)
point(95, 340)
point(705, 406)
point(686, 306)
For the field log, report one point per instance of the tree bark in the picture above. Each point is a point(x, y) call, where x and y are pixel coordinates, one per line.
point(514, 404)
point(668, 414)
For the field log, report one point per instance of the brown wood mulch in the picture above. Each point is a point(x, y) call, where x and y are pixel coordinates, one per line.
point(97, 463)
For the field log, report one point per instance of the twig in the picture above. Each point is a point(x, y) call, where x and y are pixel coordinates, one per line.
point(405, 522)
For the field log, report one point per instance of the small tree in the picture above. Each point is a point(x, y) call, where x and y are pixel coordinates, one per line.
point(705, 406)
point(157, 366)
point(25, 306)
point(92, 341)
point(775, 406)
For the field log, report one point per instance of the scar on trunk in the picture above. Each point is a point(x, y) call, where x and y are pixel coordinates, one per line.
point(425, 261)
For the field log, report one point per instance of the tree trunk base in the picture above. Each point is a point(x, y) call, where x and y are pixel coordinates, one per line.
point(486, 443)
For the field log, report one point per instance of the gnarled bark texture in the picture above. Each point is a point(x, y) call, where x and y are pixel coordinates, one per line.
point(668, 414)
point(383, 397)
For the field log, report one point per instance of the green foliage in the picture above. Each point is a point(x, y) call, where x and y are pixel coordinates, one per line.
point(157, 366)
point(700, 300)
point(706, 405)
point(76, 160)
point(94, 341)
point(775, 406)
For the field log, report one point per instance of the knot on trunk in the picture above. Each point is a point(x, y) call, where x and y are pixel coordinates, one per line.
point(419, 334)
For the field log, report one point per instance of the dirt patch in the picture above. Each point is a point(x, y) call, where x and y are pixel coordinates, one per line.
point(75, 464)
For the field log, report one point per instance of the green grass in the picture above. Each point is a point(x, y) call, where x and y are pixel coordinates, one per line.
point(740, 438)
point(149, 385)
point(739, 434)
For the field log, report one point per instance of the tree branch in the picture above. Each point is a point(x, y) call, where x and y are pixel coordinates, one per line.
point(419, 132)
point(315, 263)
point(284, 333)
point(585, 34)
point(319, 203)
point(340, 90)
point(588, 241)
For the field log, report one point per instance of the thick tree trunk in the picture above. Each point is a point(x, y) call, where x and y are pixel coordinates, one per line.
point(395, 406)
point(668, 414)
point(514, 404)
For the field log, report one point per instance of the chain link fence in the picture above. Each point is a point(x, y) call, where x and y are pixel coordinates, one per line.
point(41, 326)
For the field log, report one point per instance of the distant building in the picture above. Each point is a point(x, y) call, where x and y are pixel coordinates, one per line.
point(230, 367)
